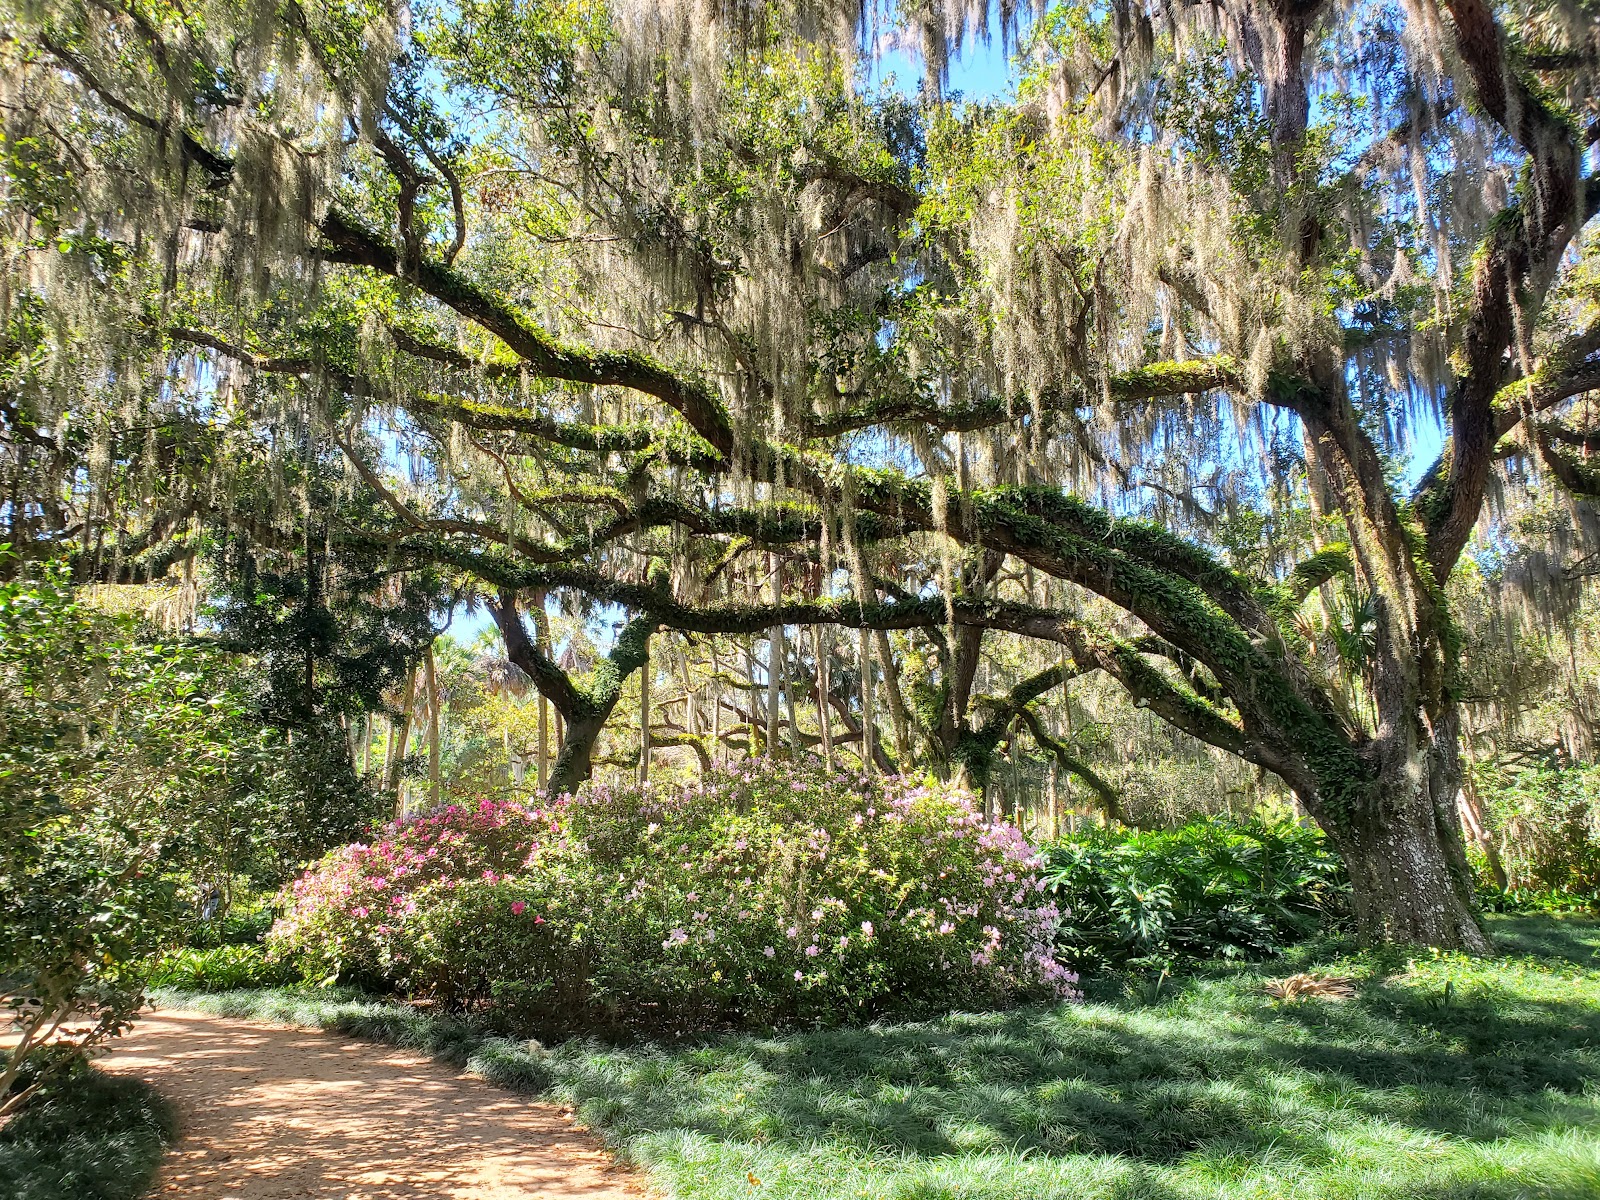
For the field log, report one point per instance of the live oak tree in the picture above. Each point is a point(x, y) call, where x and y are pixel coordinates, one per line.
point(663, 307)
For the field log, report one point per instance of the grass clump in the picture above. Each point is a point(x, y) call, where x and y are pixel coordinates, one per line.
point(1442, 1076)
point(90, 1136)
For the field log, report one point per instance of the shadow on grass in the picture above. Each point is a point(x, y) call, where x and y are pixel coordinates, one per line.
point(91, 1137)
point(1443, 1077)
point(1569, 937)
point(1217, 1073)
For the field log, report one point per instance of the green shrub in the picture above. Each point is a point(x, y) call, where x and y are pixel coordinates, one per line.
point(105, 742)
point(241, 925)
point(1208, 889)
point(1546, 825)
point(220, 969)
point(765, 895)
point(90, 1136)
point(1531, 900)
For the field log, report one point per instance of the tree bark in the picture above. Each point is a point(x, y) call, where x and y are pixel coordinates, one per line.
point(644, 722)
point(433, 725)
point(897, 704)
point(869, 739)
point(1403, 887)
point(576, 761)
point(1409, 876)
point(399, 734)
point(824, 650)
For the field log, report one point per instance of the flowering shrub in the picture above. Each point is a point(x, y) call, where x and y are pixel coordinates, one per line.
point(767, 893)
point(354, 911)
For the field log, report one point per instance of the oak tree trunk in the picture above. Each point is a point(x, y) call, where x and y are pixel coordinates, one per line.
point(1404, 852)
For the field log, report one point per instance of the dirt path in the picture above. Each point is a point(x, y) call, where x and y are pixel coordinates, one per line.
point(270, 1113)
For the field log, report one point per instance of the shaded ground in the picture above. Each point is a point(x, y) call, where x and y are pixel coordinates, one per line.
point(91, 1137)
point(269, 1113)
point(1444, 1078)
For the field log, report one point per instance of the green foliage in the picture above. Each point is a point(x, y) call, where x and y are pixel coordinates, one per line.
point(245, 923)
point(1443, 1077)
point(1547, 819)
point(103, 741)
point(220, 969)
point(771, 895)
point(130, 768)
point(90, 1137)
point(314, 650)
point(1208, 889)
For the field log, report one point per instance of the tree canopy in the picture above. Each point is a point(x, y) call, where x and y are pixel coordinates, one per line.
point(1194, 362)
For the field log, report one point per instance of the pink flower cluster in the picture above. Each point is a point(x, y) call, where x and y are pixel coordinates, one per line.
point(781, 885)
point(359, 893)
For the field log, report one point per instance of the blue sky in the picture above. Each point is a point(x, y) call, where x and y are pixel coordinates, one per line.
point(981, 72)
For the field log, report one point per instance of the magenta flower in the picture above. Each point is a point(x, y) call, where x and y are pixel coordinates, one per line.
point(516, 907)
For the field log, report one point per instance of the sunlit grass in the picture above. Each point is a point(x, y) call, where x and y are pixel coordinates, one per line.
point(1443, 1077)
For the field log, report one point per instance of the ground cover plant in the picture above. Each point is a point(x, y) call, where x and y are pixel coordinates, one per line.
point(1444, 1076)
point(1208, 889)
point(89, 1137)
point(218, 969)
point(772, 894)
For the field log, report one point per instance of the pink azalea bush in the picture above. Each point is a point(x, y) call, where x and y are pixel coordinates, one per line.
point(765, 893)
point(353, 910)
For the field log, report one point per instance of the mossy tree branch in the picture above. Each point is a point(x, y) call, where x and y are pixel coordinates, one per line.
point(352, 244)
point(1110, 800)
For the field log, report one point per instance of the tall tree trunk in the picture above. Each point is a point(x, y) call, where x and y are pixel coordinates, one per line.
point(824, 648)
point(796, 741)
point(543, 773)
point(897, 703)
point(1386, 793)
point(433, 726)
point(869, 739)
point(758, 719)
point(399, 735)
point(644, 721)
point(716, 706)
point(1409, 877)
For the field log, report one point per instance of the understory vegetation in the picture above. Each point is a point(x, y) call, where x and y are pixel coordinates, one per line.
point(758, 895)
point(1207, 889)
point(91, 1137)
point(1441, 1076)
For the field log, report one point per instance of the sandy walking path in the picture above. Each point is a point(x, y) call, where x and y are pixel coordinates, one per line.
point(270, 1113)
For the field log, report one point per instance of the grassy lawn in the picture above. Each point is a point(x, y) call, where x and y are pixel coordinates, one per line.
point(1443, 1077)
point(95, 1137)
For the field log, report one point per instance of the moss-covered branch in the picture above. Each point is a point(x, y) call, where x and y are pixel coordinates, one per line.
point(1158, 381)
point(353, 244)
point(1110, 801)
